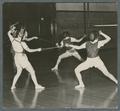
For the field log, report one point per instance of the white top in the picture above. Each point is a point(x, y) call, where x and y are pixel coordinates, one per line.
point(16, 43)
point(17, 46)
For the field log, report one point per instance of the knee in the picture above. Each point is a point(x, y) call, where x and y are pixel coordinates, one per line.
point(18, 74)
point(60, 57)
point(77, 70)
point(32, 72)
point(19, 70)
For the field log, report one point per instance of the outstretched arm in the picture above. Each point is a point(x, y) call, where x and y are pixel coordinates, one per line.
point(77, 40)
point(30, 39)
point(78, 47)
point(25, 46)
point(103, 42)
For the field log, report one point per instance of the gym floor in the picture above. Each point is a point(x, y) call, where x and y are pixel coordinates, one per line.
point(100, 92)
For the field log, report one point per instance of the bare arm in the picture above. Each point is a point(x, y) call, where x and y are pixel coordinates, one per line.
point(103, 42)
point(25, 46)
point(77, 40)
point(10, 36)
point(30, 39)
point(78, 47)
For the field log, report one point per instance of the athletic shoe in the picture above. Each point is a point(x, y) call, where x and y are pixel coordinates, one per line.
point(39, 87)
point(79, 86)
point(54, 69)
point(13, 87)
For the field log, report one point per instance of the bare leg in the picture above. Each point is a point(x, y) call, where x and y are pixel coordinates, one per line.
point(103, 68)
point(83, 66)
point(79, 77)
point(19, 71)
point(77, 56)
point(62, 56)
point(30, 69)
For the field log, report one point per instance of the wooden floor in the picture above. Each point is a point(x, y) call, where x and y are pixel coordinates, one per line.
point(63, 96)
point(100, 92)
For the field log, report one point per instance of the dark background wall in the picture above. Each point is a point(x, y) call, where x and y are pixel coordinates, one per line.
point(31, 15)
point(48, 20)
point(74, 22)
point(70, 21)
point(80, 20)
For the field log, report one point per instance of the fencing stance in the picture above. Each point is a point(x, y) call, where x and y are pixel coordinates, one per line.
point(25, 38)
point(93, 59)
point(20, 58)
point(69, 51)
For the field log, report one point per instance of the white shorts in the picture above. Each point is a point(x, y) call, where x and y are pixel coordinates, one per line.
point(21, 60)
point(71, 53)
point(91, 62)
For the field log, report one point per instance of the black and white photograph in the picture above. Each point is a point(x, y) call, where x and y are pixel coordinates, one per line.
point(60, 55)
